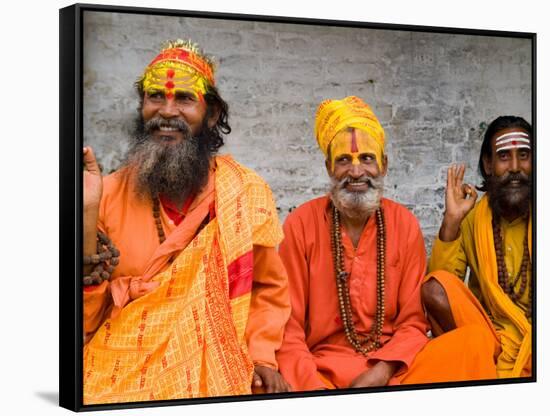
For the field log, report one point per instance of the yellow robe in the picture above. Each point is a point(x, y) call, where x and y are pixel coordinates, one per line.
point(475, 249)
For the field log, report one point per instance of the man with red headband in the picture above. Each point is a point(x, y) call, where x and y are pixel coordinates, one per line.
point(493, 240)
point(355, 263)
point(185, 294)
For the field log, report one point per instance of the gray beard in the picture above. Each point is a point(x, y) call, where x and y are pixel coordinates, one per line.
point(357, 205)
point(175, 170)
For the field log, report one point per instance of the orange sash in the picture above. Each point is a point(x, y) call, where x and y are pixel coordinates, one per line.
point(515, 329)
point(184, 336)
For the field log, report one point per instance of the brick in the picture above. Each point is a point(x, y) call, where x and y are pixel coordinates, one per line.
point(433, 93)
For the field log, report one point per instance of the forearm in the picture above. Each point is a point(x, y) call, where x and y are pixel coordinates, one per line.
point(269, 307)
point(450, 227)
point(91, 215)
point(388, 368)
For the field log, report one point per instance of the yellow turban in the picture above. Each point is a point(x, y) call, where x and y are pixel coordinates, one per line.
point(335, 115)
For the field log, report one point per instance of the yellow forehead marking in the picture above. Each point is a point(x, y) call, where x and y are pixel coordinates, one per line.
point(354, 142)
point(170, 78)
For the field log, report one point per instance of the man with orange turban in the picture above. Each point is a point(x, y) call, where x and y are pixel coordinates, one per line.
point(184, 292)
point(493, 240)
point(356, 262)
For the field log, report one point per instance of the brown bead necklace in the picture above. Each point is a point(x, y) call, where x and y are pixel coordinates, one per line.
point(104, 262)
point(158, 223)
point(372, 340)
point(507, 282)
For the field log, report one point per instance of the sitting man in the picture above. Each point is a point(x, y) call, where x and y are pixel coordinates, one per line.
point(492, 239)
point(356, 262)
point(185, 294)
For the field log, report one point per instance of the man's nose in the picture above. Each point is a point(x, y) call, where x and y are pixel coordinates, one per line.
point(514, 163)
point(356, 171)
point(169, 109)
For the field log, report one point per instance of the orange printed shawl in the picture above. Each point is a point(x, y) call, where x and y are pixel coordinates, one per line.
point(186, 338)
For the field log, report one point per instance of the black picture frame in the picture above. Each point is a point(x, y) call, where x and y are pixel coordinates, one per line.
point(71, 142)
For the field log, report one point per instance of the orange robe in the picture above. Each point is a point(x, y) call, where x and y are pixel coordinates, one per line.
point(129, 222)
point(316, 354)
point(474, 250)
point(315, 346)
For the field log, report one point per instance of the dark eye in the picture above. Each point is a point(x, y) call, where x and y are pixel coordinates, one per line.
point(185, 97)
point(504, 155)
point(524, 154)
point(343, 159)
point(367, 158)
point(155, 95)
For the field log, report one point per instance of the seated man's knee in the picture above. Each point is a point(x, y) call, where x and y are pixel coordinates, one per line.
point(433, 296)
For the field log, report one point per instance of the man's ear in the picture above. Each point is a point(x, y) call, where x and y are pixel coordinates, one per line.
point(384, 169)
point(213, 115)
point(328, 165)
point(487, 165)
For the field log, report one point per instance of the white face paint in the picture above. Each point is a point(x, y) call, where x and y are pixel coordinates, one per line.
point(512, 140)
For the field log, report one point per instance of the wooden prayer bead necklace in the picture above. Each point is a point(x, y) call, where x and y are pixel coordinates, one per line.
point(371, 341)
point(105, 261)
point(158, 223)
point(108, 255)
point(506, 282)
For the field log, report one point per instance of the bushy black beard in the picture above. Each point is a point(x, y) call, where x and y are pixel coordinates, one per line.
point(174, 170)
point(505, 200)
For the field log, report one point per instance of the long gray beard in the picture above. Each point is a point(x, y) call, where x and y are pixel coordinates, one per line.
point(357, 205)
point(173, 170)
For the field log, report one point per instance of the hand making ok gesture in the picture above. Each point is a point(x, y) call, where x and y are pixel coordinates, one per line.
point(460, 198)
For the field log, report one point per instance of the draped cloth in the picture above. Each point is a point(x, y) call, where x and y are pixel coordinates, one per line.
point(186, 337)
point(514, 329)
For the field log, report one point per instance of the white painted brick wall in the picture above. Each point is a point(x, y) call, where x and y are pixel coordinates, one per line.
point(434, 94)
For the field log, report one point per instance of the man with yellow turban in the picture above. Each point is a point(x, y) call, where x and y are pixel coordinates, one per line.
point(493, 240)
point(184, 292)
point(356, 262)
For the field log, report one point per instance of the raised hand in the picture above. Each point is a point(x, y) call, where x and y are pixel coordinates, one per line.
point(92, 191)
point(460, 198)
point(93, 182)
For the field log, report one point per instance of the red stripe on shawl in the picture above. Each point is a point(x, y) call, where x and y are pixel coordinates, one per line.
point(240, 275)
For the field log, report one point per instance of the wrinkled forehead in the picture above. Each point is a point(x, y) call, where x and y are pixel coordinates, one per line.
point(511, 138)
point(172, 77)
point(352, 140)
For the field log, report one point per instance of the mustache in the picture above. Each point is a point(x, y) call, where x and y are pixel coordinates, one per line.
point(370, 181)
point(173, 123)
point(515, 177)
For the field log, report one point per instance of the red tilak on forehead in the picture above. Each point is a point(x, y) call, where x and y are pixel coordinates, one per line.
point(169, 85)
point(354, 148)
point(170, 73)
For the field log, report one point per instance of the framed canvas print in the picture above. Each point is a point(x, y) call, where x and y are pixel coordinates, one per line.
point(258, 207)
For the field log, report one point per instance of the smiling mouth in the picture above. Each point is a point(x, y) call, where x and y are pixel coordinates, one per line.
point(167, 134)
point(357, 186)
point(515, 183)
point(168, 129)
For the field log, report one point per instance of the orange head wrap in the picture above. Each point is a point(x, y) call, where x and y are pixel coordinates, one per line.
point(333, 116)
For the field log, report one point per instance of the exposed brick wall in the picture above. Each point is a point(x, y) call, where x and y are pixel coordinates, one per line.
point(434, 94)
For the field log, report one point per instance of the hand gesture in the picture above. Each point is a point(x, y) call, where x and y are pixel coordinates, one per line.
point(268, 380)
point(93, 182)
point(460, 198)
